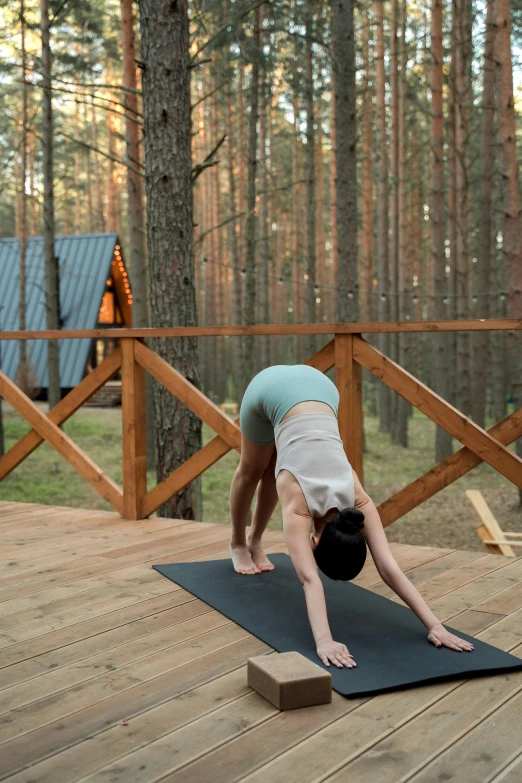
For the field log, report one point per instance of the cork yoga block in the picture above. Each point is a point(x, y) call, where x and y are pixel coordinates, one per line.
point(289, 680)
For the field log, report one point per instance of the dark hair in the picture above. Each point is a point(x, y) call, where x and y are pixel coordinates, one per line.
point(341, 551)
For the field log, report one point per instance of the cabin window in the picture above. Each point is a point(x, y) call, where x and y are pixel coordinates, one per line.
point(106, 314)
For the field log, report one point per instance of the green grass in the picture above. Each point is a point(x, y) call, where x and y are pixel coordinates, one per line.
point(446, 520)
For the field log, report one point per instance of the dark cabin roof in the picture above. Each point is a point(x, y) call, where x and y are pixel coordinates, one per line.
point(85, 265)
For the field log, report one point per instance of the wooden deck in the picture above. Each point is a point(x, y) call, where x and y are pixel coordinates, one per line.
point(110, 672)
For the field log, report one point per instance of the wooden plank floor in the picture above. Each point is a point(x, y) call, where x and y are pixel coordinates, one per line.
point(110, 672)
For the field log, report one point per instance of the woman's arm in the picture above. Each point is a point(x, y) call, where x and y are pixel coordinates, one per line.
point(392, 574)
point(297, 537)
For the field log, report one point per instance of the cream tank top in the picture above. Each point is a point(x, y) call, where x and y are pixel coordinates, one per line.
point(310, 448)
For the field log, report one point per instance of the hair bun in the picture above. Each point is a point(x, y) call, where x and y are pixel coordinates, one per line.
point(349, 520)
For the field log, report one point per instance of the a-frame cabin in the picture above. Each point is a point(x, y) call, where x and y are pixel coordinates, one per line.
point(94, 293)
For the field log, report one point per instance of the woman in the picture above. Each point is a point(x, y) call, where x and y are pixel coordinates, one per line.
point(291, 450)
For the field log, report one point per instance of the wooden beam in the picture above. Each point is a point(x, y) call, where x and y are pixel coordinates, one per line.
point(61, 412)
point(446, 472)
point(348, 379)
point(324, 359)
point(187, 393)
point(134, 434)
point(438, 410)
point(48, 430)
point(477, 500)
point(484, 536)
point(353, 327)
point(184, 474)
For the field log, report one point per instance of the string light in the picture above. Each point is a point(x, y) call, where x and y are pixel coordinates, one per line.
point(118, 260)
point(281, 279)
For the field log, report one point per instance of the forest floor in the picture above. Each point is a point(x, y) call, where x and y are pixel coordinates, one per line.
point(446, 520)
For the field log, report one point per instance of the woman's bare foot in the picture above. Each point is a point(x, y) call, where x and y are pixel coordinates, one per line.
point(242, 559)
point(258, 556)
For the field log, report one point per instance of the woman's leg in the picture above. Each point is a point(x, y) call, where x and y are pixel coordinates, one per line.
point(252, 466)
point(266, 502)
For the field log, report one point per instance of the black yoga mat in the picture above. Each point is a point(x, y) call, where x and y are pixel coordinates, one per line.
point(388, 641)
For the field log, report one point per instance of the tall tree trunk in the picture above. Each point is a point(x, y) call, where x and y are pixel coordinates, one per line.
point(32, 190)
point(310, 340)
point(405, 271)
point(463, 54)
point(135, 210)
point(264, 240)
point(499, 358)
point(511, 226)
point(297, 270)
point(22, 344)
point(52, 295)
point(443, 441)
point(113, 223)
point(97, 170)
point(168, 165)
point(88, 174)
point(382, 209)
point(451, 306)
point(251, 220)
point(278, 344)
point(319, 220)
point(394, 210)
point(219, 261)
point(77, 186)
point(367, 180)
point(232, 232)
point(346, 163)
point(332, 294)
point(241, 163)
point(138, 268)
point(487, 149)
point(16, 167)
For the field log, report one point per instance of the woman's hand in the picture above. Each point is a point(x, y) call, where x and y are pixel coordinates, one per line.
point(335, 652)
point(438, 635)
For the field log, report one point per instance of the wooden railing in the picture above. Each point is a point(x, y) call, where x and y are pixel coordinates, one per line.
point(348, 352)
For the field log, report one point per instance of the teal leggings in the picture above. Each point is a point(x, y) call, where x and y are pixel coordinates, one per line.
point(273, 391)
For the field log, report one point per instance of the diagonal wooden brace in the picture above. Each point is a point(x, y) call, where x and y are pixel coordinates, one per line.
point(446, 472)
point(192, 397)
point(61, 412)
point(438, 410)
point(48, 430)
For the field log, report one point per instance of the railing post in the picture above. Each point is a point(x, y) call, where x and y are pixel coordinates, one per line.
point(134, 438)
point(348, 379)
